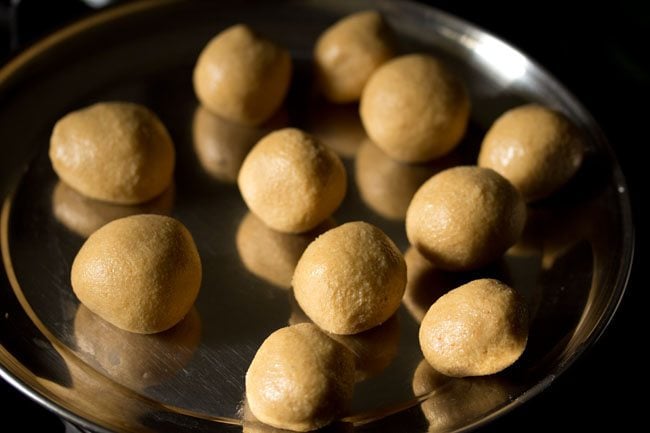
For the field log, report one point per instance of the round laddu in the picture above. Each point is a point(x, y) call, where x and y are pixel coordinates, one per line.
point(465, 217)
point(414, 108)
point(477, 329)
point(535, 148)
point(242, 76)
point(350, 279)
point(348, 52)
point(117, 152)
point(291, 181)
point(141, 273)
point(300, 379)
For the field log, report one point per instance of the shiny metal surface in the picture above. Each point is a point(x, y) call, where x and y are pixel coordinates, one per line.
point(571, 265)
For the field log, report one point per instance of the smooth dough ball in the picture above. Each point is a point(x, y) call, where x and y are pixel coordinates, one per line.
point(140, 273)
point(348, 52)
point(477, 329)
point(415, 109)
point(242, 76)
point(291, 181)
point(350, 279)
point(136, 361)
point(117, 152)
point(300, 379)
point(465, 217)
point(535, 148)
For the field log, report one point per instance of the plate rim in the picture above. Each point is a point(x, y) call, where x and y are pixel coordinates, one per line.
point(628, 241)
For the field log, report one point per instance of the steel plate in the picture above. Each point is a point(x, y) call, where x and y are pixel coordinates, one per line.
point(572, 264)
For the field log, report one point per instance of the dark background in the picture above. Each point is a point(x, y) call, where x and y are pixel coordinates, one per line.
point(600, 52)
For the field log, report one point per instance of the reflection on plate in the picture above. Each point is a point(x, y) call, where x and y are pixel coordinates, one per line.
point(338, 126)
point(387, 186)
point(222, 145)
point(273, 255)
point(373, 350)
point(455, 401)
point(84, 215)
point(135, 360)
